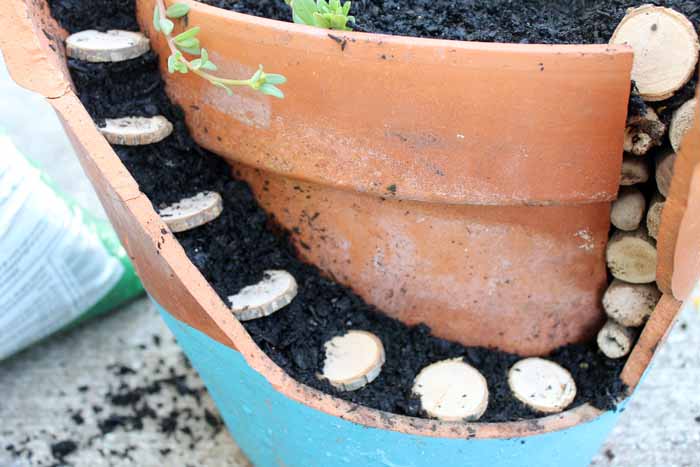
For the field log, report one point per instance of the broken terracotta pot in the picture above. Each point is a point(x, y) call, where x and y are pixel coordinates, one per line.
point(486, 217)
point(482, 193)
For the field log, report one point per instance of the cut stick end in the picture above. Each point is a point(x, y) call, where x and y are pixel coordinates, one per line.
point(632, 257)
point(615, 340)
point(665, 45)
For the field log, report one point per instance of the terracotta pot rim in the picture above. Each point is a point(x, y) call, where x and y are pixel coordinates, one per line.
point(318, 33)
point(30, 49)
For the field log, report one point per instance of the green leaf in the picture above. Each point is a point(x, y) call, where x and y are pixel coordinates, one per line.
point(189, 34)
point(304, 11)
point(156, 18)
point(191, 50)
point(205, 56)
point(166, 26)
point(273, 78)
point(271, 90)
point(196, 64)
point(321, 21)
point(172, 61)
point(178, 10)
point(190, 43)
point(210, 66)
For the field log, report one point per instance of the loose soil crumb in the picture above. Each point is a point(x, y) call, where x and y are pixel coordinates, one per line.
point(235, 249)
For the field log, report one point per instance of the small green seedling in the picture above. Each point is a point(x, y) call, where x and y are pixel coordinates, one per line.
point(327, 14)
point(187, 43)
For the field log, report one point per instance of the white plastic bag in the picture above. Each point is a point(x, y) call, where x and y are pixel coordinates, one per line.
point(58, 264)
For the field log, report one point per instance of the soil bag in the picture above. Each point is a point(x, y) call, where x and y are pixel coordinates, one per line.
point(59, 265)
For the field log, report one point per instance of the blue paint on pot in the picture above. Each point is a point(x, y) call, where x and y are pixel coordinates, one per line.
point(276, 431)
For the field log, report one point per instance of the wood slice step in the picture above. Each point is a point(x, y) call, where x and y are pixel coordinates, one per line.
point(665, 46)
point(353, 360)
point(192, 212)
point(452, 390)
point(276, 290)
point(542, 385)
point(111, 46)
point(136, 131)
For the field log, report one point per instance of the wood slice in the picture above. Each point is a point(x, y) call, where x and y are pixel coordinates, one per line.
point(110, 46)
point(452, 390)
point(615, 340)
point(643, 132)
point(634, 170)
point(656, 207)
point(630, 304)
point(664, 170)
point(353, 360)
point(665, 46)
point(136, 131)
point(542, 385)
point(628, 209)
point(276, 290)
point(193, 212)
point(631, 256)
point(681, 123)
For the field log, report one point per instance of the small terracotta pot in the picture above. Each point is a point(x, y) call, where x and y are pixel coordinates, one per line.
point(463, 185)
point(276, 420)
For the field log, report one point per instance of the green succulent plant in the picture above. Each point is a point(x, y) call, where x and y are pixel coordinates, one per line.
point(187, 43)
point(327, 14)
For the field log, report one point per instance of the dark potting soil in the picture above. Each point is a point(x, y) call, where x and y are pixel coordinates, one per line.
point(235, 249)
point(520, 21)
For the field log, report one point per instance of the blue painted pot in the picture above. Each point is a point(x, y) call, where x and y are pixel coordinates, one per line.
point(274, 430)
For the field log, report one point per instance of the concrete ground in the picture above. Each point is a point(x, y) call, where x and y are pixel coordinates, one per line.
point(117, 391)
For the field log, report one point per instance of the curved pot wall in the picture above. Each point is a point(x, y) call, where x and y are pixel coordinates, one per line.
point(255, 395)
point(463, 185)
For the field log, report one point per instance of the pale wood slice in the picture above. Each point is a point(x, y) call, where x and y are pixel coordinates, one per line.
point(110, 46)
point(665, 46)
point(631, 256)
point(136, 131)
point(353, 360)
point(628, 209)
point(452, 390)
point(643, 132)
point(681, 123)
point(193, 212)
point(630, 304)
point(276, 290)
point(656, 207)
point(664, 170)
point(542, 385)
point(615, 340)
point(634, 170)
